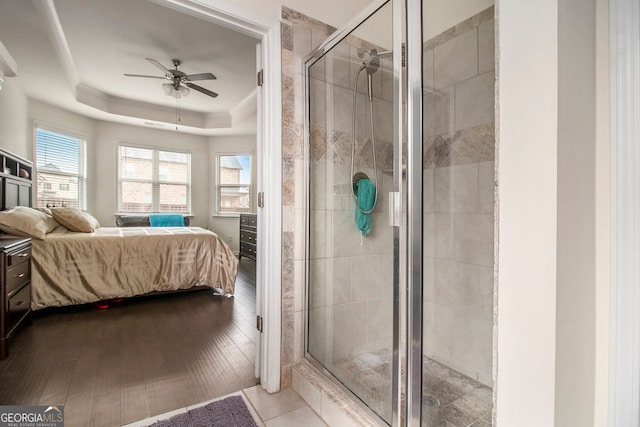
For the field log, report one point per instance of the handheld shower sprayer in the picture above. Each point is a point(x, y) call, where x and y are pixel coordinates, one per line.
point(371, 65)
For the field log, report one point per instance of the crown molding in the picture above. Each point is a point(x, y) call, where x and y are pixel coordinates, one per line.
point(8, 66)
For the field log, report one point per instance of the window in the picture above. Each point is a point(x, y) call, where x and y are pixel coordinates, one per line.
point(234, 183)
point(153, 180)
point(60, 164)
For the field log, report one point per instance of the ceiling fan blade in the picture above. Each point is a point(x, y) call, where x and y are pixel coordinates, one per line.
point(201, 76)
point(142, 75)
point(201, 89)
point(159, 65)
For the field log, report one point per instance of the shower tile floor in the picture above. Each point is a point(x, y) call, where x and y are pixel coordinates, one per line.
point(464, 402)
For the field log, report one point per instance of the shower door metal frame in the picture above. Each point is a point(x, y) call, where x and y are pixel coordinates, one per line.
point(396, 221)
point(414, 229)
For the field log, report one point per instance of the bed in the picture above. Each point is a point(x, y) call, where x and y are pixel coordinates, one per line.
point(75, 261)
point(71, 268)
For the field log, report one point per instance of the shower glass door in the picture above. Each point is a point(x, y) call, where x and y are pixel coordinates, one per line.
point(401, 210)
point(456, 76)
point(352, 154)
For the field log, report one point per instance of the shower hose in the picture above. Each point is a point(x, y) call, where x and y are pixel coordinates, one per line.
point(373, 141)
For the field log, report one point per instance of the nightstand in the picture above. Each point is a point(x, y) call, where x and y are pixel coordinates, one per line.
point(15, 288)
point(248, 232)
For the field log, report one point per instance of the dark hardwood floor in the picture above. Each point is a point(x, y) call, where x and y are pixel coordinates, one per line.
point(139, 358)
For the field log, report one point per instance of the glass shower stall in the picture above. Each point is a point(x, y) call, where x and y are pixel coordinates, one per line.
point(400, 225)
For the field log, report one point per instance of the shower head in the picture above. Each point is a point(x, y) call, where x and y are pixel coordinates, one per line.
point(372, 63)
point(381, 53)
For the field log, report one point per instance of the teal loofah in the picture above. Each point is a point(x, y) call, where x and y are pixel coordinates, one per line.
point(365, 198)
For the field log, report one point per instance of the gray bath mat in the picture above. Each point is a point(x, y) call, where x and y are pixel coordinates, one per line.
point(229, 412)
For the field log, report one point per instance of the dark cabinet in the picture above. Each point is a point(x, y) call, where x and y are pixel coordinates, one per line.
point(16, 193)
point(16, 175)
point(248, 234)
point(15, 288)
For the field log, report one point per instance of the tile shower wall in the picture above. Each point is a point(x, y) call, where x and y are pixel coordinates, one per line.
point(355, 273)
point(299, 35)
point(350, 274)
point(459, 196)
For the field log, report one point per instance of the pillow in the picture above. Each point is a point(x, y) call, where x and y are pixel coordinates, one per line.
point(26, 222)
point(75, 219)
point(44, 210)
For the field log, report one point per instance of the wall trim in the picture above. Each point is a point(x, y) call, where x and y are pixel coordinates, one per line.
point(625, 214)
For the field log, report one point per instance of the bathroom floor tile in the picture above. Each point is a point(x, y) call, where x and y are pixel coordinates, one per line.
point(299, 417)
point(269, 406)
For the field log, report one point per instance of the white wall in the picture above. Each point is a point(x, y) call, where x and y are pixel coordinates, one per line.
point(527, 112)
point(107, 136)
point(103, 138)
point(14, 129)
point(228, 228)
point(576, 280)
point(49, 115)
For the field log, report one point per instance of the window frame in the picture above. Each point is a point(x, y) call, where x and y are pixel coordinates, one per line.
point(83, 161)
point(155, 180)
point(218, 186)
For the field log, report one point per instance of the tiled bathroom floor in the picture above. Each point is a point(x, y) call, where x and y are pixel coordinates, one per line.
point(462, 401)
point(283, 409)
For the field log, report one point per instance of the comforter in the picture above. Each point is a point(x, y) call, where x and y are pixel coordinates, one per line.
point(74, 268)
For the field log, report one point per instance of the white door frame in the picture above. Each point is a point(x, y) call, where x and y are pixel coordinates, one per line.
point(624, 395)
point(269, 160)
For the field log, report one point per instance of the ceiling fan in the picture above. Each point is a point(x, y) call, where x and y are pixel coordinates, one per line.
point(179, 82)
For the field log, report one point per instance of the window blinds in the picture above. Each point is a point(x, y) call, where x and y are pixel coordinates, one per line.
point(61, 170)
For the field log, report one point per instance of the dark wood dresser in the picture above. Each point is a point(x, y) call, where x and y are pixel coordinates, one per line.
point(16, 175)
point(15, 287)
point(248, 233)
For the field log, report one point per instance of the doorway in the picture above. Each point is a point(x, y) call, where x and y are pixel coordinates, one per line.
point(268, 158)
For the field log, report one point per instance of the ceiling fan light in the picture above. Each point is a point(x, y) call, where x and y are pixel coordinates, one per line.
point(168, 88)
point(184, 91)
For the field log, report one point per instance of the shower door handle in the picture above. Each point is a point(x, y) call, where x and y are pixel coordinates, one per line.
point(394, 208)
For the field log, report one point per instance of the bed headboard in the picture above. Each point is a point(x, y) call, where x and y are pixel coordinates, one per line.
point(16, 175)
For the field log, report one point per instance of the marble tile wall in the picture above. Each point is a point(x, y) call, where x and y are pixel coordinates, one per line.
point(459, 197)
point(300, 35)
